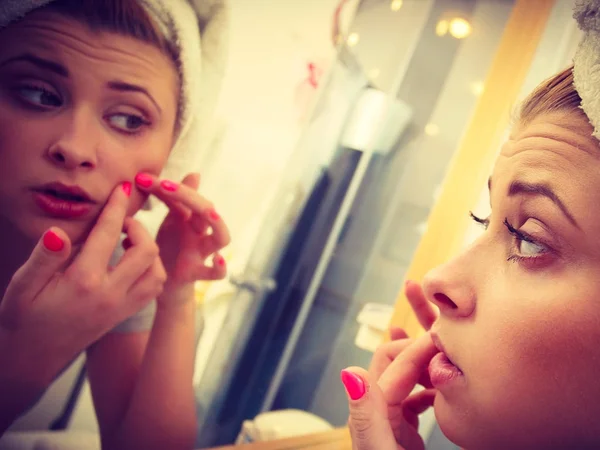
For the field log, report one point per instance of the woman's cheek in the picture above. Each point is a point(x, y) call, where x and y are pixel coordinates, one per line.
point(136, 202)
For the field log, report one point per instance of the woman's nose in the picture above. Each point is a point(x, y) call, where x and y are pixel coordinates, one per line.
point(451, 288)
point(71, 158)
point(75, 148)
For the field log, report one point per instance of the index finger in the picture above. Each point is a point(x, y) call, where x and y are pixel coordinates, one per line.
point(104, 237)
point(426, 314)
point(401, 376)
point(202, 210)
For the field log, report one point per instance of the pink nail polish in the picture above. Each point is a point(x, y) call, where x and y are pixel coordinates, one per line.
point(143, 180)
point(53, 242)
point(169, 185)
point(126, 188)
point(221, 261)
point(214, 215)
point(354, 384)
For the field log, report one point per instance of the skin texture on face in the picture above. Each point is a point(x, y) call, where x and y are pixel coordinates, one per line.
point(79, 107)
point(520, 314)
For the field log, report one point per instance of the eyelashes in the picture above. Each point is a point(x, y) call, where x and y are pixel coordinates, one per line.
point(485, 223)
point(518, 234)
point(526, 249)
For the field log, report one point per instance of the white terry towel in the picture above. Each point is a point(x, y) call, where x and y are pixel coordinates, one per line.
point(199, 30)
point(586, 62)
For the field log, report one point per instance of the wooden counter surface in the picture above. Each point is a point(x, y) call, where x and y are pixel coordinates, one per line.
point(338, 439)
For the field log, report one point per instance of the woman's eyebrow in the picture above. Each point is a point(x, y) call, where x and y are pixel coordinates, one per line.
point(121, 86)
point(521, 187)
point(61, 70)
point(42, 63)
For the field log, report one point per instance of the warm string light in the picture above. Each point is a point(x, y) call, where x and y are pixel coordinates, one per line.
point(395, 5)
point(353, 39)
point(457, 27)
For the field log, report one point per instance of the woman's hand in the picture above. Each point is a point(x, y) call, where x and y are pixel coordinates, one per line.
point(191, 233)
point(426, 315)
point(383, 414)
point(50, 313)
point(403, 416)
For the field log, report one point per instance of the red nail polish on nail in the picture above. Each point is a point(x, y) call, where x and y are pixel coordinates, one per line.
point(126, 188)
point(169, 185)
point(355, 386)
point(221, 261)
point(214, 215)
point(126, 243)
point(143, 180)
point(53, 242)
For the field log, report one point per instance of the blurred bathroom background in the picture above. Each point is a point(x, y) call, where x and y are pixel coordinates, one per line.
point(335, 128)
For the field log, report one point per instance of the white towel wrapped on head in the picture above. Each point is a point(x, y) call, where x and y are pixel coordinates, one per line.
point(586, 62)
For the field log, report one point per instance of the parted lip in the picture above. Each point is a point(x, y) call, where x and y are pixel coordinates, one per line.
point(440, 346)
point(74, 192)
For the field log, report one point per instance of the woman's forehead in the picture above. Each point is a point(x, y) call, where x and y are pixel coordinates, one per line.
point(551, 140)
point(51, 31)
point(560, 154)
point(66, 43)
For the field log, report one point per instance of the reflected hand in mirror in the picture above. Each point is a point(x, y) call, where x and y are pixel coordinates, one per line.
point(192, 232)
point(77, 304)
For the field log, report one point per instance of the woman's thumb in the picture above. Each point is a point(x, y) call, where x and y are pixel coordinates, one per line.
point(368, 423)
point(48, 257)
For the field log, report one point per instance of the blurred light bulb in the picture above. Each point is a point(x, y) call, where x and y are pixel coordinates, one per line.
point(441, 28)
point(431, 129)
point(477, 88)
point(353, 39)
point(460, 28)
point(396, 5)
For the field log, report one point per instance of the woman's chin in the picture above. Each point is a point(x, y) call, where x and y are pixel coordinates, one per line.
point(35, 229)
point(452, 422)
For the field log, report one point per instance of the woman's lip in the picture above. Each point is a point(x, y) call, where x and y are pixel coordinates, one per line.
point(61, 188)
point(442, 371)
point(440, 346)
point(61, 208)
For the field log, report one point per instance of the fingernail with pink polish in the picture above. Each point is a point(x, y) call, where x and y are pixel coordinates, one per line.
point(214, 215)
point(143, 180)
point(126, 188)
point(53, 242)
point(354, 384)
point(169, 185)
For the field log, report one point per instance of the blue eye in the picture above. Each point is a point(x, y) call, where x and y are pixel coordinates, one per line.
point(531, 249)
point(527, 247)
point(130, 123)
point(38, 96)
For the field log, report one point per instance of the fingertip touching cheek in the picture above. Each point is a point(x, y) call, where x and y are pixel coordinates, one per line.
point(519, 311)
point(81, 112)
